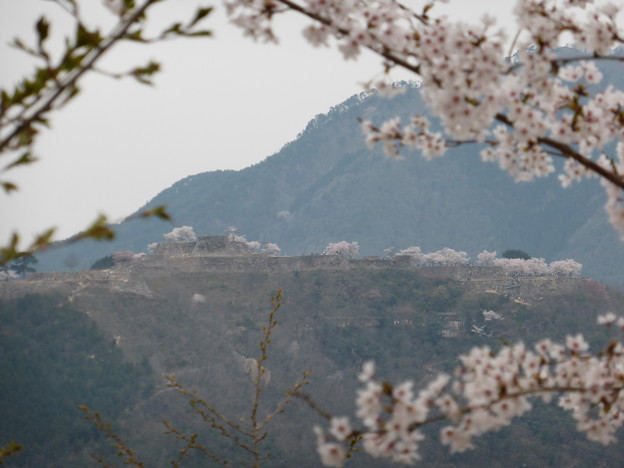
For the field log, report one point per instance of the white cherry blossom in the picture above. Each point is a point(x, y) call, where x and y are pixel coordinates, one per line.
point(488, 391)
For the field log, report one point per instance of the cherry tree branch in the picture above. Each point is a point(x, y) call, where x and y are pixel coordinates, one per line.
point(569, 152)
point(383, 51)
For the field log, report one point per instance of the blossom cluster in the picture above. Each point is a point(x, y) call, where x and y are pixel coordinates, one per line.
point(526, 109)
point(485, 394)
point(181, 234)
point(511, 266)
point(531, 266)
point(442, 257)
point(491, 315)
point(538, 267)
point(343, 249)
point(271, 249)
point(267, 248)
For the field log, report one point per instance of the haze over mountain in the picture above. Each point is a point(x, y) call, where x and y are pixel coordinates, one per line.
point(327, 186)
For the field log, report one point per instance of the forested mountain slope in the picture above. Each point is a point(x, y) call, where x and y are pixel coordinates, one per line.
point(104, 339)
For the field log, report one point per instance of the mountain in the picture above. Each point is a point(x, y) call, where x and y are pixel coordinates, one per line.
point(327, 186)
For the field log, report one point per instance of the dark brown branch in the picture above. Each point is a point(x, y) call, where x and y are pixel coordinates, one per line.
point(567, 152)
point(384, 52)
point(582, 58)
point(312, 404)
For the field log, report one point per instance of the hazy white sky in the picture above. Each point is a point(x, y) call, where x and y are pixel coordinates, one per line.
point(220, 103)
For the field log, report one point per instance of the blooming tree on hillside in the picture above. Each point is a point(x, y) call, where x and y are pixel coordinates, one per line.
point(521, 267)
point(267, 248)
point(253, 245)
point(181, 234)
point(442, 257)
point(271, 249)
point(486, 258)
point(234, 236)
point(567, 267)
point(447, 257)
point(537, 267)
point(343, 249)
point(511, 266)
point(414, 251)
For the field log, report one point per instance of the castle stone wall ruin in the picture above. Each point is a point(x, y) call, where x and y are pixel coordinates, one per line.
point(223, 254)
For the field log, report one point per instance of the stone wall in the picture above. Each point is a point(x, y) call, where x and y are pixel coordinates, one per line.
point(203, 246)
point(169, 249)
point(253, 263)
point(259, 262)
point(178, 257)
point(462, 273)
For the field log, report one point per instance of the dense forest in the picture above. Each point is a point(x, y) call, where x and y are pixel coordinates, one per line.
point(54, 358)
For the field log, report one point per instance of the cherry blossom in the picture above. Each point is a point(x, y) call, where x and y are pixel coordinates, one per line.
point(486, 393)
point(485, 257)
point(567, 267)
point(606, 319)
point(491, 315)
point(181, 234)
point(332, 454)
point(340, 428)
point(443, 257)
point(343, 249)
point(537, 267)
point(271, 249)
point(253, 245)
point(413, 251)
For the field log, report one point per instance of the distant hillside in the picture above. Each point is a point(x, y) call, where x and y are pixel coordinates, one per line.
point(71, 345)
point(326, 186)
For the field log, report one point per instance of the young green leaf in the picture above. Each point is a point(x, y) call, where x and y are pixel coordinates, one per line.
point(200, 14)
point(25, 158)
point(142, 73)
point(43, 239)
point(158, 212)
point(43, 30)
point(9, 187)
point(99, 230)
